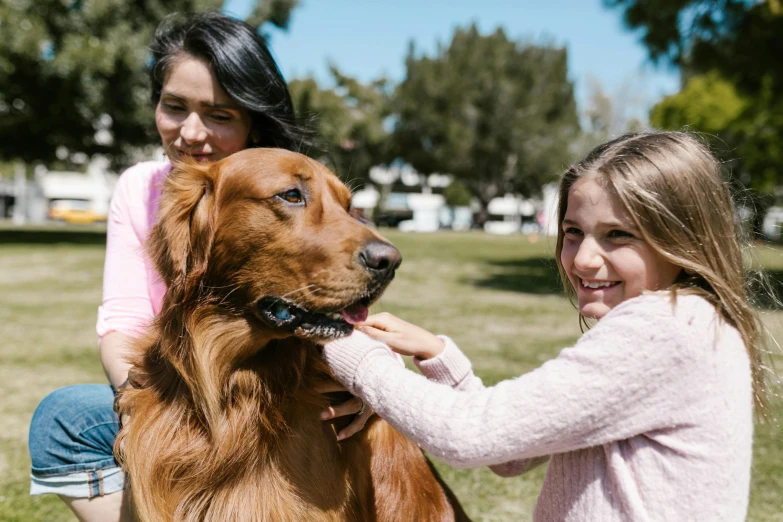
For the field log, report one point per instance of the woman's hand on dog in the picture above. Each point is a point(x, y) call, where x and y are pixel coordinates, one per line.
point(353, 406)
point(401, 336)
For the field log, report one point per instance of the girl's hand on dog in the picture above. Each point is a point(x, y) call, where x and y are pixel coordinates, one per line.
point(401, 336)
point(353, 406)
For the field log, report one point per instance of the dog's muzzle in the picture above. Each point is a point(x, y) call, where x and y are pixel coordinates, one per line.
point(281, 314)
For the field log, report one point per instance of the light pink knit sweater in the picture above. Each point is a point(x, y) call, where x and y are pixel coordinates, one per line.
point(648, 417)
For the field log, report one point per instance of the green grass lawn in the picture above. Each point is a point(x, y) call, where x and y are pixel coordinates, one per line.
point(498, 297)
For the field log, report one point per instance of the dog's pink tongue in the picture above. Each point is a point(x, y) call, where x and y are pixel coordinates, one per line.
point(356, 313)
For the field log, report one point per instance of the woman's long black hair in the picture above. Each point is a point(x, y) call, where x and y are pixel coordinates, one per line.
point(243, 66)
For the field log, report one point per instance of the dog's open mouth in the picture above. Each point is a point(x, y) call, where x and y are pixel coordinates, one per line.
point(282, 314)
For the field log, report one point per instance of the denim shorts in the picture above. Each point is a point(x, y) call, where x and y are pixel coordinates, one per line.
point(71, 437)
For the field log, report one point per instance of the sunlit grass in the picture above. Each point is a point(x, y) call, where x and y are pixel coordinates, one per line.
point(498, 297)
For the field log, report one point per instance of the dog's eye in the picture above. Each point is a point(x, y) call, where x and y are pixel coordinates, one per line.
point(292, 196)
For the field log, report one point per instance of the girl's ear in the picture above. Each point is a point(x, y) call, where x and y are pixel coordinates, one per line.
point(254, 138)
point(180, 242)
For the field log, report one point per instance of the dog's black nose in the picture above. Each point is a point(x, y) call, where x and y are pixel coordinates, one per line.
point(382, 258)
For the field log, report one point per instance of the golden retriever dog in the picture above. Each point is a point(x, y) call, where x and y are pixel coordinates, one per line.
point(262, 260)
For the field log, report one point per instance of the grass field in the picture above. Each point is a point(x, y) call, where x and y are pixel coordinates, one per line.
point(498, 297)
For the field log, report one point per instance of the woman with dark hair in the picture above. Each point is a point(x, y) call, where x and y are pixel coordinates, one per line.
point(216, 90)
point(240, 63)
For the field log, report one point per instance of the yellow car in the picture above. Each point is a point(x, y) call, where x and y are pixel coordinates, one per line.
point(74, 211)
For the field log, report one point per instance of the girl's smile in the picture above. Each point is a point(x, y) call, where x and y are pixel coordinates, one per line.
point(603, 253)
point(597, 285)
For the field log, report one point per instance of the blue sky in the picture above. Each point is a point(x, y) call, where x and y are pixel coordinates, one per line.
point(369, 38)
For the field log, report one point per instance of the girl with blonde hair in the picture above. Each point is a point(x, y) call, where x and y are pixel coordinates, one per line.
point(649, 416)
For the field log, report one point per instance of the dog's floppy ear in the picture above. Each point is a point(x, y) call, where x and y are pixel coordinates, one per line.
point(180, 242)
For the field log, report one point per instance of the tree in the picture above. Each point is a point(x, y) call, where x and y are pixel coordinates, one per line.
point(707, 103)
point(731, 45)
point(608, 115)
point(349, 121)
point(711, 104)
point(496, 114)
point(72, 74)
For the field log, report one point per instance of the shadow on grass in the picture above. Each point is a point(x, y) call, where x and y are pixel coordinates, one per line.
point(538, 275)
point(531, 275)
point(72, 236)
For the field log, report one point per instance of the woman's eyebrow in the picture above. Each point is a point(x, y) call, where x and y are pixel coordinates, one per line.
point(231, 106)
point(227, 105)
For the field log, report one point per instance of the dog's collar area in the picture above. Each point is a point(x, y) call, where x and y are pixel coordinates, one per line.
point(281, 314)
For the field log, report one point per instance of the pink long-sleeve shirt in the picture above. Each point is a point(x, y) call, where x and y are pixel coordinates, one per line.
point(132, 289)
point(649, 417)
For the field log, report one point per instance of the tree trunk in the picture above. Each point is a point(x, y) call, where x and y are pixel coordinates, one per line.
point(483, 214)
point(20, 194)
point(484, 195)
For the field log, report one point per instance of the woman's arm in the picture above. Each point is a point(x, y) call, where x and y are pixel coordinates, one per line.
point(114, 348)
point(127, 305)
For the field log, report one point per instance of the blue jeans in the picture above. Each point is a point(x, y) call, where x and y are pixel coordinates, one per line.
point(71, 437)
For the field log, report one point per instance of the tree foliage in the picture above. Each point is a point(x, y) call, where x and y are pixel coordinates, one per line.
point(708, 103)
point(729, 53)
point(71, 68)
point(496, 114)
point(275, 12)
point(349, 120)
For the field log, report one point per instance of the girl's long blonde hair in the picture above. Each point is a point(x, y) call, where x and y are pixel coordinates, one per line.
point(672, 187)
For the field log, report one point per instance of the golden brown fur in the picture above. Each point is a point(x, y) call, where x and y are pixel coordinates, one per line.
point(224, 419)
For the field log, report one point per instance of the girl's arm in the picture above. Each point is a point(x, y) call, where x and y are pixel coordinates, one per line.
point(452, 368)
point(630, 374)
point(440, 360)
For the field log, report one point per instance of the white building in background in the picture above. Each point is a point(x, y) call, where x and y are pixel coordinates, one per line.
point(511, 214)
point(417, 208)
point(550, 199)
point(772, 224)
point(425, 204)
point(417, 205)
point(506, 214)
point(365, 199)
point(426, 212)
point(77, 196)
